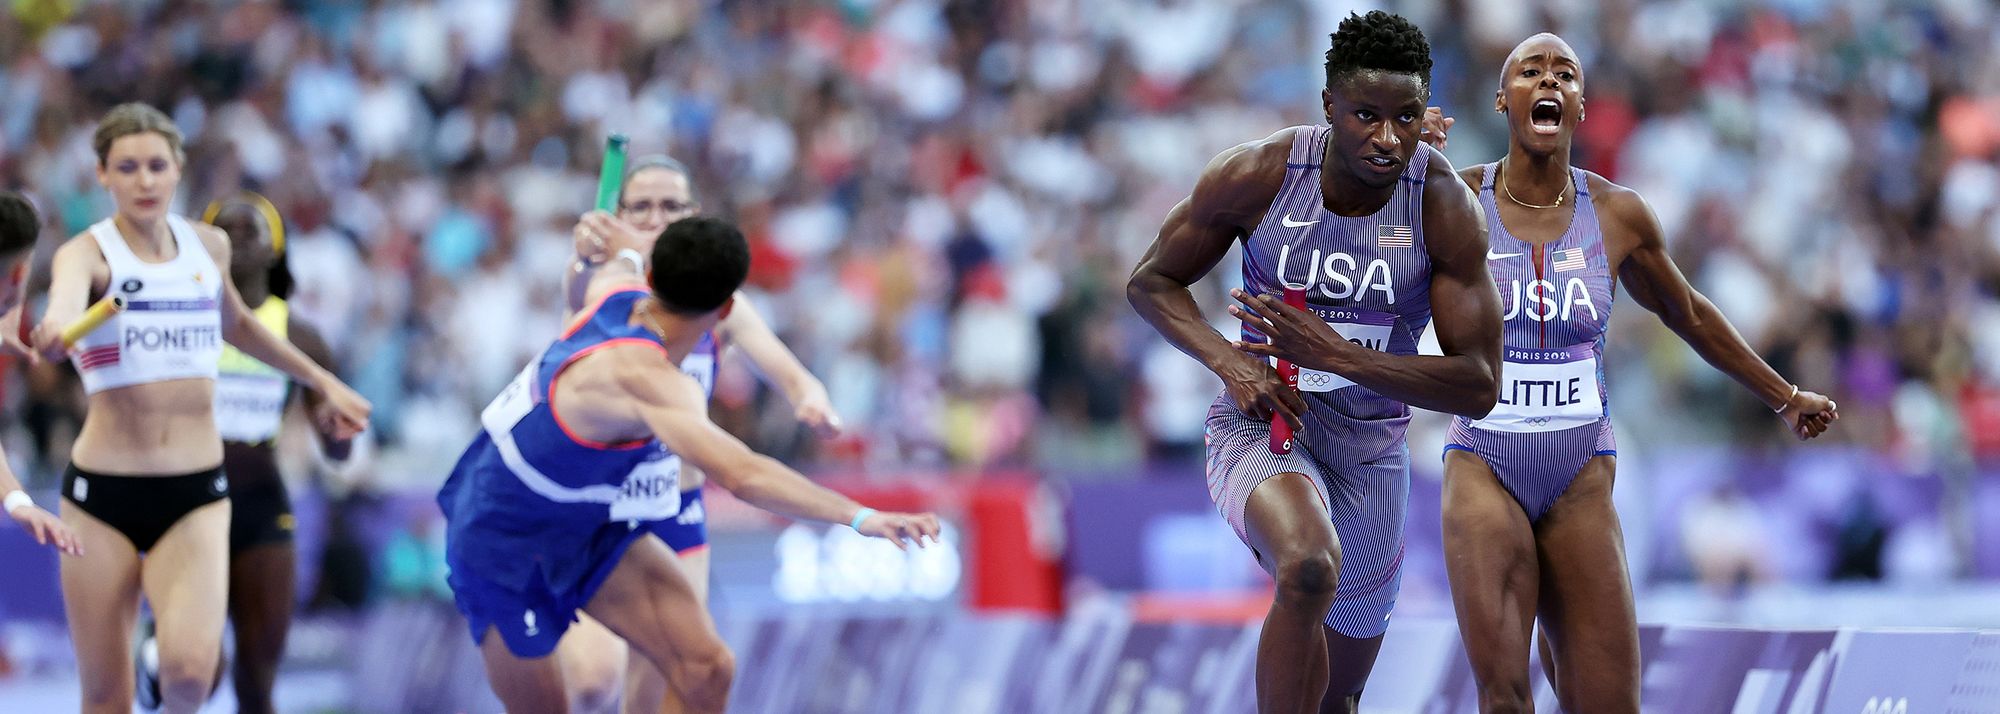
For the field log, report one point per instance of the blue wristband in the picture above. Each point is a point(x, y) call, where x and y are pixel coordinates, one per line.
point(860, 516)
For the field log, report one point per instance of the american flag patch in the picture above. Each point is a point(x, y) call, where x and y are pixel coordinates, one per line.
point(97, 358)
point(1394, 237)
point(1569, 259)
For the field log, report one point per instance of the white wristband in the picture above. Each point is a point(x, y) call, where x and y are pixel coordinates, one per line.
point(17, 499)
point(638, 261)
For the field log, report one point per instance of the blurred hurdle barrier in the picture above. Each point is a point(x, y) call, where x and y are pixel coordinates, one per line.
point(1104, 658)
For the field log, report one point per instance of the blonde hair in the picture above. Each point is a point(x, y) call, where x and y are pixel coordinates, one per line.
point(135, 118)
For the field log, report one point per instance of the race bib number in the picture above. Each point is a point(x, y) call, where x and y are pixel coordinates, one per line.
point(249, 410)
point(1367, 328)
point(702, 368)
point(512, 405)
point(1546, 390)
point(652, 490)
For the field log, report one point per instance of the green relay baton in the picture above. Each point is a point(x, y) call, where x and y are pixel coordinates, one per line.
point(612, 175)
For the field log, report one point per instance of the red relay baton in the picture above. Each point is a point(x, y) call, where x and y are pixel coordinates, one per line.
point(1281, 430)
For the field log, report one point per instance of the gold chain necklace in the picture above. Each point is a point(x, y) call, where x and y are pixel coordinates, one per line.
point(1510, 196)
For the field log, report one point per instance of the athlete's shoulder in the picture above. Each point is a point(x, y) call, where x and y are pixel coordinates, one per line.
point(1473, 176)
point(82, 238)
point(1454, 227)
point(1438, 170)
point(1254, 163)
point(1616, 204)
point(642, 369)
point(610, 282)
point(82, 246)
point(214, 239)
point(629, 363)
point(1240, 183)
point(1445, 190)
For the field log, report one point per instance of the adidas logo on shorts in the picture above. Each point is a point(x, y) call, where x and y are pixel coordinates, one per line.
point(691, 515)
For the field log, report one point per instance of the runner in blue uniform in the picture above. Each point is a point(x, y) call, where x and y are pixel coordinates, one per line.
point(657, 192)
point(19, 227)
point(546, 511)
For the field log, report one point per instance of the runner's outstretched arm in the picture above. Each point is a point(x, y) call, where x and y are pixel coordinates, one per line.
point(1653, 281)
point(671, 406)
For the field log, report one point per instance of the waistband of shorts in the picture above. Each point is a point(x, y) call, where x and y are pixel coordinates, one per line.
point(203, 475)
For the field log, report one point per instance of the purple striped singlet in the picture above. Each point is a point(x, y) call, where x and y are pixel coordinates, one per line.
point(1556, 302)
point(1368, 277)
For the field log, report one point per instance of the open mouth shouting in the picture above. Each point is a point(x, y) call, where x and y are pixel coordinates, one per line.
point(1545, 117)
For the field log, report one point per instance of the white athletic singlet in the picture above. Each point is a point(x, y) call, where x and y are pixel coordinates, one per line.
point(172, 324)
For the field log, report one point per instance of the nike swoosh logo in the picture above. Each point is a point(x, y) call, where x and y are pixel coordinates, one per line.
point(1289, 223)
point(1490, 255)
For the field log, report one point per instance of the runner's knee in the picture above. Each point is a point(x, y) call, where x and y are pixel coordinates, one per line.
point(1508, 695)
point(595, 688)
point(1308, 574)
point(703, 677)
point(184, 680)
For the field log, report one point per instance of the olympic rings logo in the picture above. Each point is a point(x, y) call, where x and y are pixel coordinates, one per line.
point(1315, 379)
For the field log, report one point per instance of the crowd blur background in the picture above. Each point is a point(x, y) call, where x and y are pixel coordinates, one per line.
point(945, 198)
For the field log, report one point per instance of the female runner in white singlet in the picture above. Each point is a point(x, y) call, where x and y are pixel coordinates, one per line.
point(145, 491)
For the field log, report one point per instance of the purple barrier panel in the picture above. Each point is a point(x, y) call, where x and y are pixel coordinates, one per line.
point(830, 664)
point(819, 661)
point(1910, 498)
point(32, 589)
point(1079, 658)
point(1234, 675)
point(1985, 522)
point(978, 665)
point(1739, 671)
point(764, 646)
point(1904, 672)
point(877, 657)
point(414, 657)
point(1978, 688)
point(1425, 586)
point(1109, 522)
point(1673, 480)
point(1175, 668)
point(309, 537)
point(1421, 668)
point(417, 656)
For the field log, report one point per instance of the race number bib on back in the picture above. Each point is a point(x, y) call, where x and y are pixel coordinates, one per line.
point(652, 490)
point(1367, 328)
point(512, 405)
point(1546, 390)
point(249, 410)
